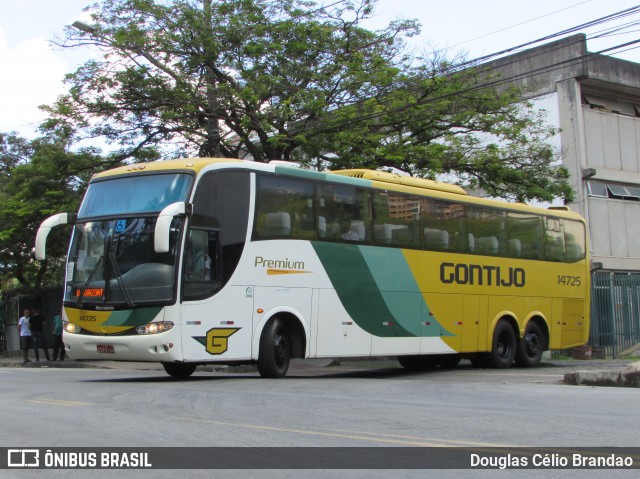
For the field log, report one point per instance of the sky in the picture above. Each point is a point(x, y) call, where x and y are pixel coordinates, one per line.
point(32, 69)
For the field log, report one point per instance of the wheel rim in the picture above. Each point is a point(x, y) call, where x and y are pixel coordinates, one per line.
point(280, 348)
point(532, 344)
point(504, 345)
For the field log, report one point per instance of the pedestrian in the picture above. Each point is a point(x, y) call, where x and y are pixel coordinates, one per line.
point(37, 334)
point(24, 332)
point(58, 345)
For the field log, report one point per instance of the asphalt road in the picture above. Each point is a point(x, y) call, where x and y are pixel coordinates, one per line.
point(344, 406)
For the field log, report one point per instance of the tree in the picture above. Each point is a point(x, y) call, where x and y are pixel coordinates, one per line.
point(445, 121)
point(38, 178)
point(288, 79)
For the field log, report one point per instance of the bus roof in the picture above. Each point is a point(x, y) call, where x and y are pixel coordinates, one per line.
point(355, 177)
point(385, 177)
point(187, 164)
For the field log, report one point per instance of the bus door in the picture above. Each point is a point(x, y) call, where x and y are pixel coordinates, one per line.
point(217, 323)
point(474, 323)
point(442, 328)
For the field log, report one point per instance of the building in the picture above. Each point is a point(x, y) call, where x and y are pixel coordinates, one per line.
point(596, 100)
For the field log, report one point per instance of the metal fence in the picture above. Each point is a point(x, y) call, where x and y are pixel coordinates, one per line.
point(615, 312)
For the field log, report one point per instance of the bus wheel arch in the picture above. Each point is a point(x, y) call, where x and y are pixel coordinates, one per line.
point(534, 341)
point(504, 343)
point(282, 338)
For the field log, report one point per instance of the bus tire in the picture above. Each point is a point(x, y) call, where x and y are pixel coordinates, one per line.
point(503, 347)
point(275, 349)
point(179, 370)
point(531, 346)
point(449, 361)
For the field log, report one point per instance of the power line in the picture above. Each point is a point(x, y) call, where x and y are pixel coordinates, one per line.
point(598, 21)
point(539, 71)
point(513, 26)
point(612, 30)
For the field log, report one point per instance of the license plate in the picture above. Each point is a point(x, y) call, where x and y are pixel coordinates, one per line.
point(105, 348)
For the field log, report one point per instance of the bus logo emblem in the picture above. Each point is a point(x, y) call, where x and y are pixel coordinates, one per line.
point(218, 340)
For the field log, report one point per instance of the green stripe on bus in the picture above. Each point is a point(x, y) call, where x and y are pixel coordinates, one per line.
point(132, 317)
point(397, 286)
point(320, 176)
point(378, 290)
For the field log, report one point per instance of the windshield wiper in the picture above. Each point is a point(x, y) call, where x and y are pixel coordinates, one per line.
point(88, 282)
point(111, 266)
point(125, 293)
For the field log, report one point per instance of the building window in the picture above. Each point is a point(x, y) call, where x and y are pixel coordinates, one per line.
point(608, 189)
point(613, 105)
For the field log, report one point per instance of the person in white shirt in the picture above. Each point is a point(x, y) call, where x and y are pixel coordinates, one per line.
point(24, 330)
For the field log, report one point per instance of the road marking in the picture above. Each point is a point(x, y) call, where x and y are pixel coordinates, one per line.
point(59, 402)
point(344, 434)
point(448, 442)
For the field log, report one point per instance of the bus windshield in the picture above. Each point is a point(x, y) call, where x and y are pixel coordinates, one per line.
point(134, 194)
point(113, 262)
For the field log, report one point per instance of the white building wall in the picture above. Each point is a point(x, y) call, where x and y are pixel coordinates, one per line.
point(612, 149)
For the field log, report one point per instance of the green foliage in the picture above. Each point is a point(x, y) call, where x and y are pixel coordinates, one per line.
point(289, 79)
point(38, 178)
point(223, 78)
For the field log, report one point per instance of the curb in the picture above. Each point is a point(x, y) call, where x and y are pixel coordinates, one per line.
point(627, 378)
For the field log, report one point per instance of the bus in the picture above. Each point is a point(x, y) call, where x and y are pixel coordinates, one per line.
point(195, 261)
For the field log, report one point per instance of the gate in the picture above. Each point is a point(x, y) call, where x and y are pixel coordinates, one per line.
point(615, 312)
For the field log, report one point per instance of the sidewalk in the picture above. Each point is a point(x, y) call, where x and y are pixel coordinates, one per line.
point(17, 362)
point(609, 372)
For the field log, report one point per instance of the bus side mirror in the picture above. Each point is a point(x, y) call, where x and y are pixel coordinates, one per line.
point(163, 226)
point(45, 228)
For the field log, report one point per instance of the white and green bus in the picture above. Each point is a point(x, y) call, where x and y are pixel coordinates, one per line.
point(198, 261)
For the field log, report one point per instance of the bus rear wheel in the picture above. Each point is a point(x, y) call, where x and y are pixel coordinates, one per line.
point(275, 349)
point(531, 346)
point(504, 345)
point(179, 370)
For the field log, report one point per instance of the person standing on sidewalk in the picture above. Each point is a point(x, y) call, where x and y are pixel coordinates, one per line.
point(24, 332)
point(37, 334)
point(58, 345)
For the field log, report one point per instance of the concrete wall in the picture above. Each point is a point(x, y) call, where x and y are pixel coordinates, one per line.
point(612, 145)
point(602, 145)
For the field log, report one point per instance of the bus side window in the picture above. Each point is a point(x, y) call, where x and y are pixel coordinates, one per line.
point(443, 226)
point(488, 227)
point(343, 213)
point(284, 208)
point(574, 242)
point(397, 220)
point(201, 272)
point(554, 240)
point(525, 235)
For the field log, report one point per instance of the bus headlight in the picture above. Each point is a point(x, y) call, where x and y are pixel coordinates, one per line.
point(71, 328)
point(154, 328)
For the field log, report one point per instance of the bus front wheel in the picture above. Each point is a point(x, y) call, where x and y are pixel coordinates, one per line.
point(531, 346)
point(275, 349)
point(179, 370)
point(503, 349)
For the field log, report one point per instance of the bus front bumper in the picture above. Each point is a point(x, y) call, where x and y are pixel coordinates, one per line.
point(154, 347)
